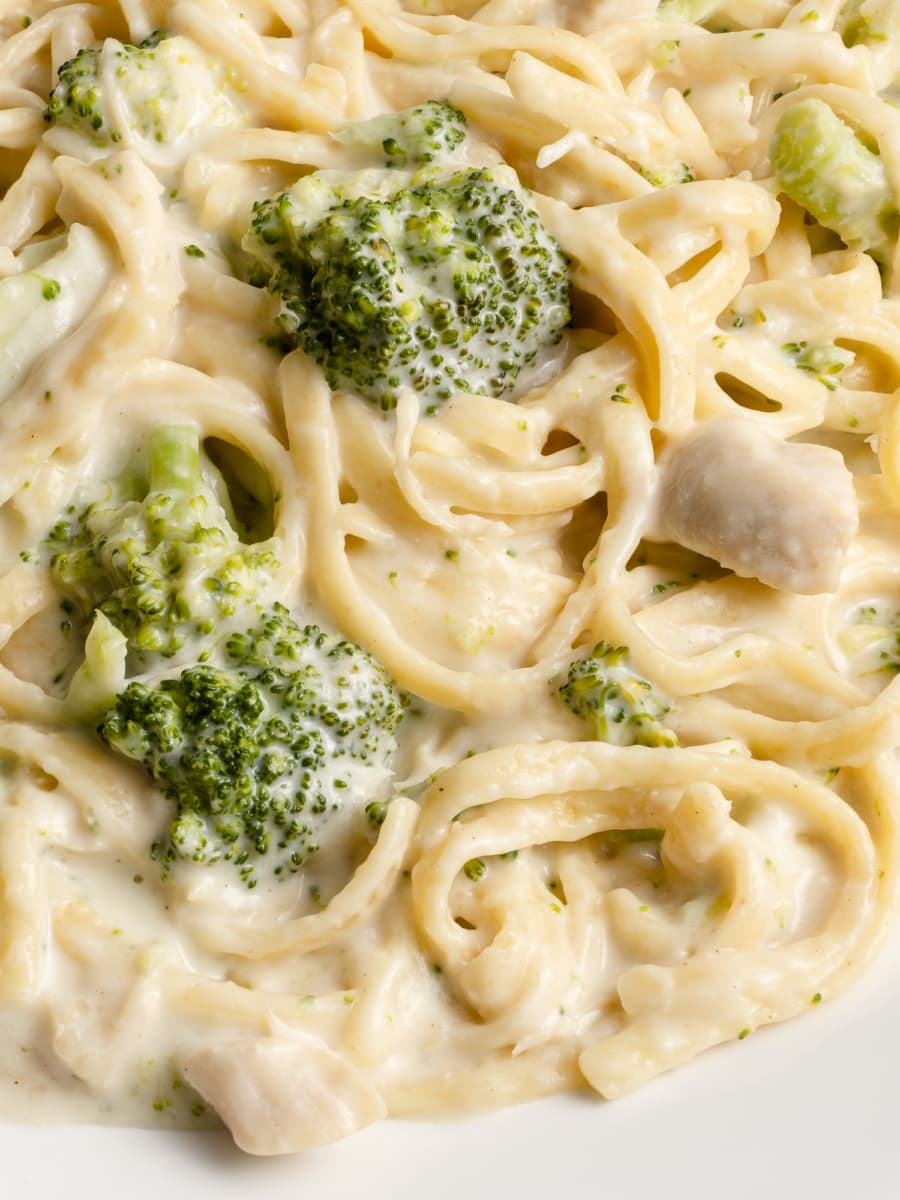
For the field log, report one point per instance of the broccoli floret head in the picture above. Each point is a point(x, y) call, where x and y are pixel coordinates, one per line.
point(621, 706)
point(160, 559)
point(431, 282)
point(161, 92)
point(825, 168)
point(425, 134)
point(290, 729)
point(76, 99)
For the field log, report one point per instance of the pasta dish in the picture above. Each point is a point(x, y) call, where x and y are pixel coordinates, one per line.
point(450, 598)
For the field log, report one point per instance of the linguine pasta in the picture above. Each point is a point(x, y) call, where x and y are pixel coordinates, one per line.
point(705, 471)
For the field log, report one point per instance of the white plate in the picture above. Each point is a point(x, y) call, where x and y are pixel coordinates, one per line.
point(807, 1109)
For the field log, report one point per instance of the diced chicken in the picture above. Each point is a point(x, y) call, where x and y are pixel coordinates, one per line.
point(781, 512)
point(281, 1095)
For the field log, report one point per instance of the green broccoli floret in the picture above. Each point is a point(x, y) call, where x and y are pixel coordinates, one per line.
point(433, 282)
point(161, 560)
point(291, 728)
point(162, 92)
point(621, 706)
point(413, 138)
point(822, 165)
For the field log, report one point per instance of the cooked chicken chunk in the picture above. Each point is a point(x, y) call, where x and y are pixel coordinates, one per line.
point(781, 512)
point(280, 1095)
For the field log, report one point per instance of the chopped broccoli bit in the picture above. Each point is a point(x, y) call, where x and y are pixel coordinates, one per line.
point(413, 138)
point(621, 706)
point(823, 360)
point(261, 749)
point(158, 92)
point(824, 167)
point(862, 22)
point(663, 177)
point(160, 560)
point(433, 282)
point(474, 869)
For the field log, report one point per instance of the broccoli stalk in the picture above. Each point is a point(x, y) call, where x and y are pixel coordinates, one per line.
point(824, 167)
point(101, 676)
point(621, 706)
point(435, 281)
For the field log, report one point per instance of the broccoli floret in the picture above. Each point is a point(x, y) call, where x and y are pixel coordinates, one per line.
point(823, 360)
point(60, 281)
point(162, 92)
point(621, 706)
point(288, 729)
point(258, 729)
point(823, 166)
point(412, 138)
point(161, 560)
point(433, 282)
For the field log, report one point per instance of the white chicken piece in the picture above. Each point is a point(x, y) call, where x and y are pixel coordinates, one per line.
point(780, 512)
point(281, 1095)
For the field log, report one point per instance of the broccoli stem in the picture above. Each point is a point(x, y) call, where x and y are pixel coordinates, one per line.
point(174, 456)
point(824, 167)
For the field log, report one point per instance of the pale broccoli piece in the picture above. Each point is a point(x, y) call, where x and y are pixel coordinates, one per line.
point(290, 729)
point(165, 93)
point(823, 360)
point(620, 706)
point(413, 138)
point(822, 165)
point(433, 282)
point(60, 282)
point(101, 676)
point(867, 22)
point(161, 559)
